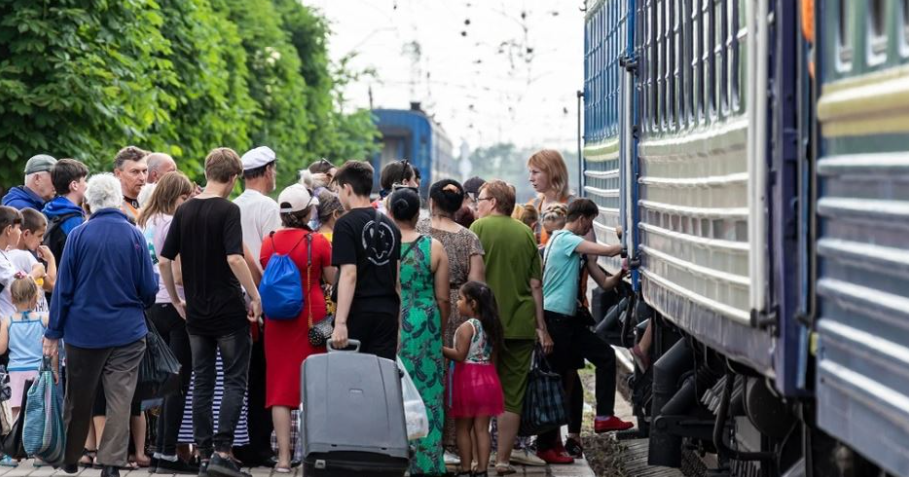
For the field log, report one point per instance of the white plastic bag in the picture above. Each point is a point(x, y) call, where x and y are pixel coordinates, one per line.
point(414, 409)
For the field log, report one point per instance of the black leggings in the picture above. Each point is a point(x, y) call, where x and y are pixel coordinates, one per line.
point(172, 329)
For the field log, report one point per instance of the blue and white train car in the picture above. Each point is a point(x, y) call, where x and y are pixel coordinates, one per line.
point(756, 170)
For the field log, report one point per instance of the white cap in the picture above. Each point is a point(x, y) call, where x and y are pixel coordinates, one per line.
point(296, 198)
point(258, 157)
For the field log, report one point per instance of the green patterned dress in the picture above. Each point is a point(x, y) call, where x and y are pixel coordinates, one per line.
point(421, 349)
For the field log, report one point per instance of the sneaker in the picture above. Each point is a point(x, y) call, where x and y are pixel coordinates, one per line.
point(8, 461)
point(610, 423)
point(220, 467)
point(553, 456)
point(524, 457)
point(574, 448)
point(451, 458)
point(203, 468)
point(176, 467)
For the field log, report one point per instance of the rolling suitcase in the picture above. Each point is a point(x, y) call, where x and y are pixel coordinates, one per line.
point(352, 420)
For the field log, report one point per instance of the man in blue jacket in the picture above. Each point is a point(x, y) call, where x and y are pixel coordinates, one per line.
point(65, 213)
point(38, 187)
point(107, 261)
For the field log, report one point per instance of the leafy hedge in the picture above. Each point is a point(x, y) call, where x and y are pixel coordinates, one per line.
point(83, 78)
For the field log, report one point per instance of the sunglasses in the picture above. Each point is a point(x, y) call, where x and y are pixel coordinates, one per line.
point(397, 187)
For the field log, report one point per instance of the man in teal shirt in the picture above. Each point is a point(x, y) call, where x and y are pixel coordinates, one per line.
point(562, 262)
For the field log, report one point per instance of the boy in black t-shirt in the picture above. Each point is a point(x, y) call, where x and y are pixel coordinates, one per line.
point(207, 235)
point(366, 247)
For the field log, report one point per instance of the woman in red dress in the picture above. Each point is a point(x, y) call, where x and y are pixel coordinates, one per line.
point(287, 341)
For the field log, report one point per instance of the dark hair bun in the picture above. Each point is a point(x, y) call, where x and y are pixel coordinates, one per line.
point(447, 195)
point(404, 204)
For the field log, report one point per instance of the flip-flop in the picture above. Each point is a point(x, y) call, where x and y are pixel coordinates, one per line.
point(282, 470)
point(505, 469)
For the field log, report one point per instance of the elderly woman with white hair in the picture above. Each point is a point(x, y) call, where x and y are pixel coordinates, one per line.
point(105, 283)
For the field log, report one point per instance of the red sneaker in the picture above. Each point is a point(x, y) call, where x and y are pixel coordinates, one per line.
point(560, 449)
point(552, 456)
point(611, 423)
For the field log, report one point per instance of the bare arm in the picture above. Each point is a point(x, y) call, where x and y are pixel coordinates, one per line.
point(536, 288)
point(441, 284)
point(459, 353)
point(606, 283)
point(165, 266)
point(50, 279)
point(477, 269)
point(177, 268)
point(347, 283)
point(238, 265)
point(254, 270)
point(594, 248)
point(4, 336)
point(329, 275)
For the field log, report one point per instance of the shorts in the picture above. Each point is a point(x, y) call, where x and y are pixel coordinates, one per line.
point(377, 332)
point(17, 381)
point(513, 366)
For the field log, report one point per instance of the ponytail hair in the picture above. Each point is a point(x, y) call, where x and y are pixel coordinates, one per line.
point(484, 301)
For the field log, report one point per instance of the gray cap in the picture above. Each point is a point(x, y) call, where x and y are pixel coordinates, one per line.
point(39, 163)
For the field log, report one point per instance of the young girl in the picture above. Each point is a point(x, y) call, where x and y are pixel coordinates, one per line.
point(476, 393)
point(22, 334)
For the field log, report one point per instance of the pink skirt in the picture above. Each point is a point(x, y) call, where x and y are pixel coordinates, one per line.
point(475, 391)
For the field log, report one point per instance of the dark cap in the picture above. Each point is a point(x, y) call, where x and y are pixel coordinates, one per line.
point(472, 185)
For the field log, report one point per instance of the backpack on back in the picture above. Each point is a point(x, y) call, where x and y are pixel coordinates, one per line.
point(55, 237)
point(281, 288)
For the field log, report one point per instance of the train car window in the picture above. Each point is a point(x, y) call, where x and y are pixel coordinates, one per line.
point(658, 64)
point(664, 62)
point(722, 44)
point(708, 63)
point(877, 29)
point(676, 61)
point(697, 37)
point(734, 54)
point(844, 33)
point(683, 62)
point(687, 66)
point(905, 29)
point(653, 65)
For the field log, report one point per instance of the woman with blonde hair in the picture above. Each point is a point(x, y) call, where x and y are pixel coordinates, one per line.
point(549, 178)
point(170, 192)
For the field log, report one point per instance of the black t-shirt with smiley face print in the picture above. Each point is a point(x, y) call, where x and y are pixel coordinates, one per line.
point(368, 239)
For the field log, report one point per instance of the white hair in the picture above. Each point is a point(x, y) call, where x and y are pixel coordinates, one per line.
point(103, 192)
point(145, 194)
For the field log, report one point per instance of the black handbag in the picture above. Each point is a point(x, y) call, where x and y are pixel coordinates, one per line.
point(159, 370)
point(544, 401)
point(12, 442)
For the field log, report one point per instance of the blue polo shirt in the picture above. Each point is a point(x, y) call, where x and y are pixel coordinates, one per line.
point(561, 273)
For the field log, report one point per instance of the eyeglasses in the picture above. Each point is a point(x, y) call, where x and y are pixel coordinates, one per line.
point(481, 199)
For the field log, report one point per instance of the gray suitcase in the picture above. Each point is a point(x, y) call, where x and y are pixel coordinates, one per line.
point(352, 420)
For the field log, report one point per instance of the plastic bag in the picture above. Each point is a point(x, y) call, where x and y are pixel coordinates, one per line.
point(414, 408)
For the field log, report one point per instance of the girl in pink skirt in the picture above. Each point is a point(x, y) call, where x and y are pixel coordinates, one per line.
point(475, 392)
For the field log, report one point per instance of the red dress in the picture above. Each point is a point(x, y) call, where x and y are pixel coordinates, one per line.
point(287, 341)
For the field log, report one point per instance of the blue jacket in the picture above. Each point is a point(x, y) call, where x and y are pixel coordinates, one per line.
point(62, 206)
point(21, 197)
point(104, 284)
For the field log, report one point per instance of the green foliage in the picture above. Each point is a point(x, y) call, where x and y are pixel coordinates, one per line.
point(83, 78)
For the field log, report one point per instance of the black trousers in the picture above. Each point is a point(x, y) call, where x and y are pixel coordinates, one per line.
point(172, 329)
point(572, 339)
point(377, 332)
point(235, 351)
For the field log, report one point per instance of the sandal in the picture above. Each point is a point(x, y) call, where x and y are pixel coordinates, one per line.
point(505, 469)
point(90, 455)
point(279, 469)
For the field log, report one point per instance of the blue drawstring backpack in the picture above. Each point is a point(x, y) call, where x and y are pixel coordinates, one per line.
point(281, 288)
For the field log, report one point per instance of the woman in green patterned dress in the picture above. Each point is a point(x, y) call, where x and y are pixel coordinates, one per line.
point(424, 313)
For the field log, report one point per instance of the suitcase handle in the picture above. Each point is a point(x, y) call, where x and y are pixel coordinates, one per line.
point(354, 343)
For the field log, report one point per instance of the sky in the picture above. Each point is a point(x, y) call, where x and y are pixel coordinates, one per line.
point(488, 70)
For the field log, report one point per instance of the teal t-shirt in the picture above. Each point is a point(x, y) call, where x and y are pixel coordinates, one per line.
point(562, 273)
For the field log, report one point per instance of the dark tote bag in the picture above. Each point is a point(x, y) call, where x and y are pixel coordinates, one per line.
point(544, 402)
point(159, 370)
point(12, 442)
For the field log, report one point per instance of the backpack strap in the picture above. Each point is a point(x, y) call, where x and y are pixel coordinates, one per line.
point(308, 277)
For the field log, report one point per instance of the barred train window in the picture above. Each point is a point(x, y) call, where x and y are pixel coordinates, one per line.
point(708, 21)
point(733, 9)
point(697, 39)
point(844, 32)
point(878, 30)
point(722, 37)
point(689, 58)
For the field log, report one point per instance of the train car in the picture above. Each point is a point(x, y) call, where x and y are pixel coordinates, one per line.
point(755, 158)
point(411, 134)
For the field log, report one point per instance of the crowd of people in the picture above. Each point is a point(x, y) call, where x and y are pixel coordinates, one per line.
point(463, 296)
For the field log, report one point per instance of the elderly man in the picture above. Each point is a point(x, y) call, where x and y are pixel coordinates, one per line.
point(158, 165)
point(105, 283)
point(38, 187)
point(131, 168)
